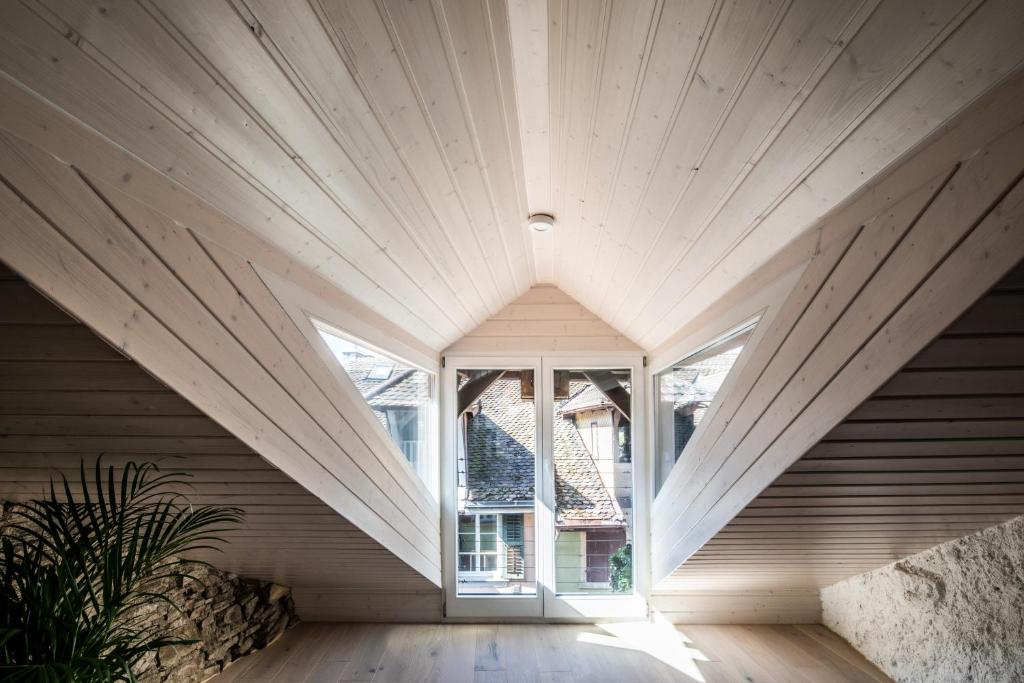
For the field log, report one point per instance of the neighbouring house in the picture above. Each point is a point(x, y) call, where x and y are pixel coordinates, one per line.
point(593, 489)
point(688, 390)
point(399, 395)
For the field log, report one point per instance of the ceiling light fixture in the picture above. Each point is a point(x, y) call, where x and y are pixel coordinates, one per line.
point(541, 222)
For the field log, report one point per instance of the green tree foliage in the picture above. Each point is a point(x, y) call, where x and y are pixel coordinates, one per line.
point(621, 563)
point(78, 571)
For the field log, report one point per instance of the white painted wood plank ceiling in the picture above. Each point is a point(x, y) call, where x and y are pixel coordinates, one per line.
point(398, 147)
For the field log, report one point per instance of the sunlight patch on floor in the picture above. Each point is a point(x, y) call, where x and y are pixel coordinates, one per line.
point(659, 640)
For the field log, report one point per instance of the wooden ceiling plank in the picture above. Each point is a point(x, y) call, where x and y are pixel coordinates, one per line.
point(406, 77)
point(788, 351)
point(309, 50)
point(918, 464)
point(811, 501)
point(37, 342)
point(980, 182)
point(229, 302)
point(113, 170)
point(479, 47)
point(116, 236)
point(24, 375)
point(79, 283)
point(258, 295)
point(530, 46)
point(350, 160)
point(31, 49)
point(736, 67)
point(667, 76)
point(584, 27)
point(975, 351)
point(283, 147)
point(809, 40)
point(624, 69)
point(954, 382)
point(972, 41)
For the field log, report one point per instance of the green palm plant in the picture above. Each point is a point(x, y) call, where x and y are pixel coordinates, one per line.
point(76, 573)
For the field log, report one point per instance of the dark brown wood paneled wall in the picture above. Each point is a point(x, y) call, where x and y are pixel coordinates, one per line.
point(934, 454)
point(66, 396)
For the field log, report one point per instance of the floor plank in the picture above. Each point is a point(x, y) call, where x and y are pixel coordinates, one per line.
point(549, 653)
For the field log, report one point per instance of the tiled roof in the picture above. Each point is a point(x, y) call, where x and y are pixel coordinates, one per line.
point(698, 382)
point(501, 447)
point(359, 365)
point(579, 492)
point(589, 398)
point(407, 388)
point(501, 455)
point(404, 386)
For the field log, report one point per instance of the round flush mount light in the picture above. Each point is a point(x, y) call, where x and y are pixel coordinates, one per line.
point(541, 222)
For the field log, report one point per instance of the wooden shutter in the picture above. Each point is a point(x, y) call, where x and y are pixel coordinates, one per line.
point(512, 532)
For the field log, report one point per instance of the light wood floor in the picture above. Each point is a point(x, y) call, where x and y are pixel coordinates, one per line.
point(405, 653)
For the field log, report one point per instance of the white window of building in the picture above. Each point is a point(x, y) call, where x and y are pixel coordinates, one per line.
point(399, 394)
point(491, 547)
point(685, 392)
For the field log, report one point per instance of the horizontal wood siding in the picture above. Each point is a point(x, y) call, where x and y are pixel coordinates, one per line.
point(544, 320)
point(739, 607)
point(197, 316)
point(931, 242)
point(290, 536)
point(880, 486)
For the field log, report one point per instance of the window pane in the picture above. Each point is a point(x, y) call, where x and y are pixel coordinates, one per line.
point(467, 543)
point(496, 470)
point(685, 392)
point(592, 432)
point(398, 394)
point(488, 543)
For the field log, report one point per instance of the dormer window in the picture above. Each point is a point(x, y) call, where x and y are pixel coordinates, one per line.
point(686, 391)
point(399, 394)
point(381, 371)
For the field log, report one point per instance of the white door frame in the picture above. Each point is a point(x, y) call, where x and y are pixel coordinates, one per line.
point(546, 604)
point(604, 607)
point(481, 606)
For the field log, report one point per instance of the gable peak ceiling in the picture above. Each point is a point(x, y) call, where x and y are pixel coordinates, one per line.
point(544, 319)
point(398, 147)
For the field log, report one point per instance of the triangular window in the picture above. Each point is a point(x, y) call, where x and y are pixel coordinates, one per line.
point(686, 391)
point(398, 394)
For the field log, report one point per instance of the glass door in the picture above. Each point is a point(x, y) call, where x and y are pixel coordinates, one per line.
point(491, 512)
point(543, 465)
point(590, 419)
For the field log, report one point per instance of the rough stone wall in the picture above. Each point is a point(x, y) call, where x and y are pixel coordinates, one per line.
point(951, 613)
point(229, 617)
